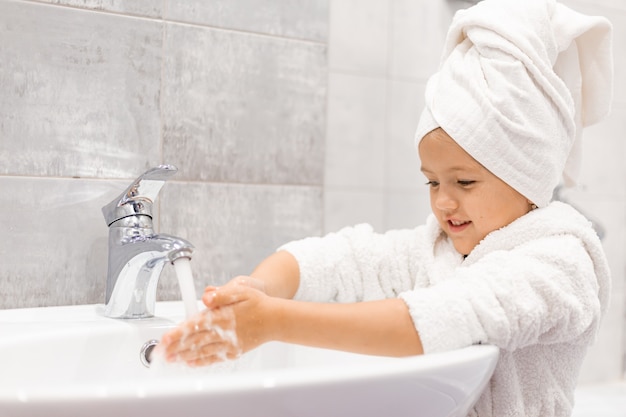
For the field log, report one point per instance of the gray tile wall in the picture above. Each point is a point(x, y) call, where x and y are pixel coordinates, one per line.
point(92, 93)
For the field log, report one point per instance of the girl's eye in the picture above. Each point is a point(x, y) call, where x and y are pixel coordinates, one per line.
point(432, 184)
point(465, 183)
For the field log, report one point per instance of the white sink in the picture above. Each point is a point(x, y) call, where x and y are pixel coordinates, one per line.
point(72, 361)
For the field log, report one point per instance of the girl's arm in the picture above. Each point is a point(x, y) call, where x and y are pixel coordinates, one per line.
point(381, 327)
point(240, 317)
point(279, 273)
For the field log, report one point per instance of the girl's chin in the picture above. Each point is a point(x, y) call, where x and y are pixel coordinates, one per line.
point(463, 248)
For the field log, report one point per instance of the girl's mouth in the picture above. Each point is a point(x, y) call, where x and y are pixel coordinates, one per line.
point(458, 225)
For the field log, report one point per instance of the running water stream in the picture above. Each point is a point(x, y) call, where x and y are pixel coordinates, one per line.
point(185, 282)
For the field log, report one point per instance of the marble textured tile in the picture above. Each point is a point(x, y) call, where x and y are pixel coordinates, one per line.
point(239, 107)
point(148, 8)
point(301, 19)
point(54, 241)
point(234, 227)
point(79, 91)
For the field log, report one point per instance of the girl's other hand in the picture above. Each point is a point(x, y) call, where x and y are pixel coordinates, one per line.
point(233, 323)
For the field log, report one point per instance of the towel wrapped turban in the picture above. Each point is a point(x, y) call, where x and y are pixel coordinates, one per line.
point(517, 83)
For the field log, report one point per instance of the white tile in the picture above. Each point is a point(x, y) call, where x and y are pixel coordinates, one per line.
point(358, 36)
point(405, 103)
point(590, 5)
point(355, 136)
point(347, 207)
point(603, 169)
point(603, 400)
point(406, 209)
point(418, 31)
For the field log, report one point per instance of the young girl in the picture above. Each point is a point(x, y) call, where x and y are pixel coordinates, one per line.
point(496, 262)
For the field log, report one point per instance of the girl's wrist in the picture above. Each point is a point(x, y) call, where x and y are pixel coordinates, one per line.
point(274, 319)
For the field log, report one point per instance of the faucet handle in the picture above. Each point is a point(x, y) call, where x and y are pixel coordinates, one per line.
point(139, 196)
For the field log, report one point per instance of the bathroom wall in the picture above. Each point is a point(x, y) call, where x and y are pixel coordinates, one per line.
point(285, 119)
point(94, 92)
point(380, 55)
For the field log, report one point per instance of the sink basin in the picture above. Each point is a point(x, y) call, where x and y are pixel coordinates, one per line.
point(72, 361)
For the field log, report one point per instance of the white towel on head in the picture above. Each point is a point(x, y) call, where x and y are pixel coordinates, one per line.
point(518, 81)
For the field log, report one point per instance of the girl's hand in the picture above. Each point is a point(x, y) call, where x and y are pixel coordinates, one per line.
point(233, 323)
point(206, 338)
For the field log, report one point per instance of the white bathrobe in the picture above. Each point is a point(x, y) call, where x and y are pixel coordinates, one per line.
point(536, 288)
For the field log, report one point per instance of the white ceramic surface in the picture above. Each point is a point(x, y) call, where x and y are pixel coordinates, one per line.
point(71, 361)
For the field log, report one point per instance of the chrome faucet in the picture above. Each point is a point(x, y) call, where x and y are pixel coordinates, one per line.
point(136, 254)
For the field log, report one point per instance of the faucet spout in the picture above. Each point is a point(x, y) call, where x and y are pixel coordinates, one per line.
point(137, 255)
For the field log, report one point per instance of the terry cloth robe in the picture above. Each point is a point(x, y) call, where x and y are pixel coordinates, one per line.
point(536, 289)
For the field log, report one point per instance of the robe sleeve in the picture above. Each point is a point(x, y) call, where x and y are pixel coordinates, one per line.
point(356, 264)
point(543, 292)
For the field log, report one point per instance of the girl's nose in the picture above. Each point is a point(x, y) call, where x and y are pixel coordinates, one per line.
point(445, 200)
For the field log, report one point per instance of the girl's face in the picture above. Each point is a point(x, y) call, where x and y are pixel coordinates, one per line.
point(467, 199)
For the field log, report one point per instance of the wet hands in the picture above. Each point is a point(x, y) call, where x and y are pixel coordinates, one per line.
point(206, 338)
point(231, 325)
